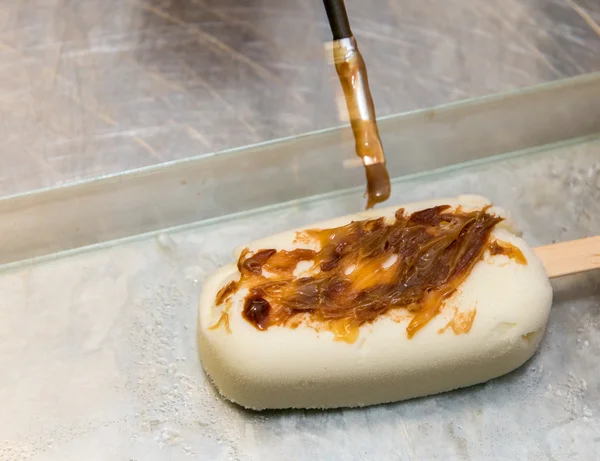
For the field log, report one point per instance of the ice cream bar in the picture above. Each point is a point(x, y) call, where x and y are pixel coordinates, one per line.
point(377, 307)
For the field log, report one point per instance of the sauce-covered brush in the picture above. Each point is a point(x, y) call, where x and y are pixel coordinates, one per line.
point(352, 72)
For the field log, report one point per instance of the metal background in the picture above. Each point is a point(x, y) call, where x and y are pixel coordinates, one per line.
point(91, 87)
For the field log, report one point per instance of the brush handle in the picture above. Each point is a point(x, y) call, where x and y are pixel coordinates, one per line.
point(567, 258)
point(338, 19)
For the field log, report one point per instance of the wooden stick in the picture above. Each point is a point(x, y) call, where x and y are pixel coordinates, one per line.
point(570, 257)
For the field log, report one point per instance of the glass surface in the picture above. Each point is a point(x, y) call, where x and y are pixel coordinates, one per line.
point(184, 192)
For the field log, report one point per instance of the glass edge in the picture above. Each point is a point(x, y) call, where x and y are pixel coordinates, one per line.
point(538, 150)
point(464, 103)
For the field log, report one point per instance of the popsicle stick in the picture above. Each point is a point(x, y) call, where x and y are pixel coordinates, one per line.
point(567, 258)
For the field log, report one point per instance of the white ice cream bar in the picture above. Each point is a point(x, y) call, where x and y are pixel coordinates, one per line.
point(507, 302)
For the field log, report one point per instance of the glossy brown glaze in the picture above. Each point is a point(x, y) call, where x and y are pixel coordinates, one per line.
point(504, 248)
point(256, 310)
point(364, 269)
point(378, 184)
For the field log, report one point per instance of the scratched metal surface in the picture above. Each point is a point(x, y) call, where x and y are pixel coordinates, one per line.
point(98, 86)
point(98, 357)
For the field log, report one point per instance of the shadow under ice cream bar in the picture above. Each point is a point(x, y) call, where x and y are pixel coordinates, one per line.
point(377, 307)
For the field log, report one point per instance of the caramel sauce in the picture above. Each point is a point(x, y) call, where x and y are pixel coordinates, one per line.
point(364, 270)
point(461, 323)
point(224, 292)
point(223, 320)
point(344, 330)
point(378, 184)
point(504, 248)
point(529, 337)
point(256, 311)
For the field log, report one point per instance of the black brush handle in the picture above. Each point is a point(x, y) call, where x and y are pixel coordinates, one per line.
point(338, 19)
